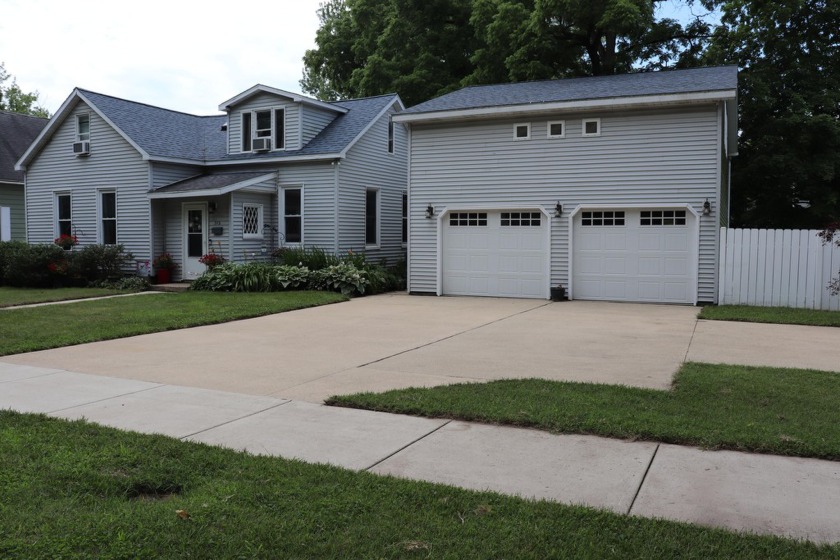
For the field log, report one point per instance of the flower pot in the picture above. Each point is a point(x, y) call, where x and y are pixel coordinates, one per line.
point(163, 276)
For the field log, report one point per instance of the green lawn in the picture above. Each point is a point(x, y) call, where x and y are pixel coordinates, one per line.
point(23, 296)
point(784, 315)
point(77, 490)
point(52, 326)
point(767, 410)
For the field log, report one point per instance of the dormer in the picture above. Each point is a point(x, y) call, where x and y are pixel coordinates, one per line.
point(265, 120)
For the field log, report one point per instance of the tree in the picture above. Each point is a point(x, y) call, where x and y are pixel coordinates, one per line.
point(787, 173)
point(421, 49)
point(831, 234)
point(13, 99)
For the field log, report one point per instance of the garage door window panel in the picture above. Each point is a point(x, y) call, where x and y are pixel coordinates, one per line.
point(516, 219)
point(606, 218)
point(662, 218)
point(467, 219)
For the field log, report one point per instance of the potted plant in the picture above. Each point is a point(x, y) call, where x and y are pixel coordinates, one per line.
point(164, 265)
point(66, 242)
point(211, 260)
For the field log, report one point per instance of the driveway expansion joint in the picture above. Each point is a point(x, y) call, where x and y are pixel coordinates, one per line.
point(406, 446)
point(121, 395)
point(231, 421)
point(644, 477)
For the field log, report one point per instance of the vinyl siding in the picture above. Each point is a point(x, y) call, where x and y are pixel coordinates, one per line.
point(11, 196)
point(263, 101)
point(318, 182)
point(369, 165)
point(250, 249)
point(655, 157)
point(113, 164)
point(314, 121)
point(165, 174)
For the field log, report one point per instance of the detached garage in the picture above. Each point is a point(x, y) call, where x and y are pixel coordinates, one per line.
point(613, 187)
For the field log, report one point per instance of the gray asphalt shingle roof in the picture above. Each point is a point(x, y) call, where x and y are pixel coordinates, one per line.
point(172, 134)
point(17, 132)
point(210, 182)
point(692, 80)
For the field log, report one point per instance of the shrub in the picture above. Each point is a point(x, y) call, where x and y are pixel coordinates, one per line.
point(229, 277)
point(291, 277)
point(32, 266)
point(313, 258)
point(343, 277)
point(133, 283)
point(95, 263)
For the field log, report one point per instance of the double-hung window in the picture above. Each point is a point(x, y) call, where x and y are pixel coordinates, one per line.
point(63, 214)
point(372, 217)
point(264, 124)
point(293, 214)
point(390, 136)
point(83, 128)
point(108, 217)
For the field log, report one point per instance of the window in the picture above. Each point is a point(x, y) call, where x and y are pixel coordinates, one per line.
point(404, 218)
point(108, 217)
point(591, 127)
point(520, 219)
point(607, 218)
point(522, 131)
point(83, 128)
point(246, 132)
point(557, 129)
point(372, 217)
point(252, 221)
point(261, 124)
point(63, 214)
point(662, 218)
point(468, 219)
point(293, 215)
point(390, 136)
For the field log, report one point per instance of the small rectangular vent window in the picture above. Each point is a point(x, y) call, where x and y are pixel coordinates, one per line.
point(515, 219)
point(522, 131)
point(591, 127)
point(605, 218)
point(557, 129)
point(662, 218)
point(468, 219)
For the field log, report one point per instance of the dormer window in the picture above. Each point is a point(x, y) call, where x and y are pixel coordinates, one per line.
point(267, 126)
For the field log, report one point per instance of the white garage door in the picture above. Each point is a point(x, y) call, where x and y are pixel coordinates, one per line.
point(635, 255)
point(498, 253)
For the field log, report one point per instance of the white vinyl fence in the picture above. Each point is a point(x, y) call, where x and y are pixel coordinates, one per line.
point(776, 267)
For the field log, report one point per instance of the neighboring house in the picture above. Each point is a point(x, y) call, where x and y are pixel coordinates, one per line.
point(612, 187)
point(17, 131)
point(277, 169)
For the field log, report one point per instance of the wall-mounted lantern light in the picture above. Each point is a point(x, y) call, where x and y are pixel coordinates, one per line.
point(211, 207)
point(430, 212)
point(558, 209)
point(707, 207)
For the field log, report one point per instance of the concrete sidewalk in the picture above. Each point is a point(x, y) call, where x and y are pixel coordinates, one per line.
point(798, 498)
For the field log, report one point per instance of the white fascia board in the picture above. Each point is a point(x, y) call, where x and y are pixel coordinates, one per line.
point(290, 159)
point(641, 101)
point(295, 97)
point(368, 127)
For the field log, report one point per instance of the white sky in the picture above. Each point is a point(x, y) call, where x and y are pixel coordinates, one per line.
point(186, 55)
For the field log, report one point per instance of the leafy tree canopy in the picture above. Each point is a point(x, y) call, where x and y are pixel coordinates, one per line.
point(787, 173)
point(13, 99)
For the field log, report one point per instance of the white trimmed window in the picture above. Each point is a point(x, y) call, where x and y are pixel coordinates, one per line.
point(108, 217)
point(83, 128)
point(591, 127)
point(390, 136)
point(662, 218)
point(404, 218)
point(556, 129)
point(252, 221)
point(372, 217)
point(63, 214)
point(264, 124)
point(522, 131)
point(605, 218)
point(293, 215)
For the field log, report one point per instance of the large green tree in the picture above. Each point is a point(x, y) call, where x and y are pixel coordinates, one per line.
point(13, 99)
point(423, 48)
point(788, 171)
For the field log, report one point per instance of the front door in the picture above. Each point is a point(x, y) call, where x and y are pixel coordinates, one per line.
point(195, 239)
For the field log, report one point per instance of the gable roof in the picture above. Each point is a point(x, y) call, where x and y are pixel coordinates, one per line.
point(165, 135)
point(524, 95)
point(17, 132)
point(297, 98)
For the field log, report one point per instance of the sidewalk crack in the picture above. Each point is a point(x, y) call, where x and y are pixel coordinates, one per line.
point(406, 446)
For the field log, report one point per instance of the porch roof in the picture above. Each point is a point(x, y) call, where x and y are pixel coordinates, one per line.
point(216, 184)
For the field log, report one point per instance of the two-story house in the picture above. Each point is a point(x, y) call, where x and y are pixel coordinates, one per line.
point(613, 187)
point(276, 169)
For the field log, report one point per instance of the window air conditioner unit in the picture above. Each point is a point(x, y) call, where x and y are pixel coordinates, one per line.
point(81, 148)
point(262, 144)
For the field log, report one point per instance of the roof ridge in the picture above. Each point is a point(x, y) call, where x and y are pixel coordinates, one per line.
point(82, 90)
point(16, 114)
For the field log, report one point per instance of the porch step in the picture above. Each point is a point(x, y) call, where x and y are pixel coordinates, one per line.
point(172, 287)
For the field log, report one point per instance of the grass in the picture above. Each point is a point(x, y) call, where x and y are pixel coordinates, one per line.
point(39, 328)
point(24, 296)
point(77, 490)
point(783, 315)
point(759, 409)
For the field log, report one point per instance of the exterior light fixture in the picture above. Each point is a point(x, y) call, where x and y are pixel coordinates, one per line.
point(430, 212)
point(707, 208)
point(558, 209)
point(211, 207)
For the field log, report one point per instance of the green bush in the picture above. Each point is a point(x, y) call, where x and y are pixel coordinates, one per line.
point(313, 258)
point(291, 277)
point(343, 277)
point(34, 266)
point(133, 283)
point(99, 262)
point(229, 277)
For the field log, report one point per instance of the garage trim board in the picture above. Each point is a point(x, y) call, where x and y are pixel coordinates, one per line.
point(494, 211)
point(683, 285)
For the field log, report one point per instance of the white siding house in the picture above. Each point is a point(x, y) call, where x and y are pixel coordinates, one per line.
point(611, 187)
point(275, 169)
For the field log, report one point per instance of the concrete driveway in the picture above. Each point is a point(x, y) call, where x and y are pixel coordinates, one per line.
point(394, 341)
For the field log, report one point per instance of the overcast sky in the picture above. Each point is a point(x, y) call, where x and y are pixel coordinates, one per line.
point(186, 55)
